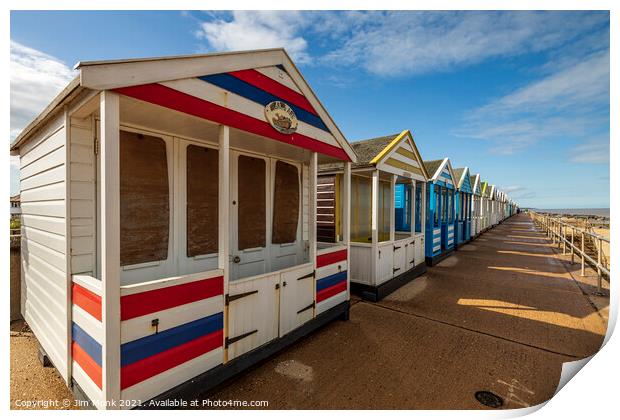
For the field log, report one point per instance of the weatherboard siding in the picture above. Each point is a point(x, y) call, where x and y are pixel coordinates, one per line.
point(44, 264)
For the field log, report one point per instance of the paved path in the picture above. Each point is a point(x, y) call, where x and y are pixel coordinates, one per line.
point(502, 314)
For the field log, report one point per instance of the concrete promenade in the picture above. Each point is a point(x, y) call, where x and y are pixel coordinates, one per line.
point(502, 315)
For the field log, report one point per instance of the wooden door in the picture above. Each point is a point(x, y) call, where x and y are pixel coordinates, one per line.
point(297, 304)
point(249, 210)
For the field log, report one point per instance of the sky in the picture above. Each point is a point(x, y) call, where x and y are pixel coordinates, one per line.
point(520, 97)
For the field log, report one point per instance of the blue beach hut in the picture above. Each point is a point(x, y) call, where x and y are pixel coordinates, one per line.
point(463, 218)
point(440, 212)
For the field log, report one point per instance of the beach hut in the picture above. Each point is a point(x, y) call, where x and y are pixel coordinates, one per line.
point(463, 219)
point(168, 226)
point(387, 213)
point(485, 209)
point(494, 200)
point(476, 205)
point(440, 210)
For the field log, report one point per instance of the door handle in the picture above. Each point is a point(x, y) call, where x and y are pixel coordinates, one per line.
point(236, 259)
point(283, 284)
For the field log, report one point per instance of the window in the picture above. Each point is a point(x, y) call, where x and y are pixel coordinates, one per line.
point(202, 200)
point(450, 194)
point(144, 199)
point(252, 209)
point(361, 209)
point(285, 204)
point(402, 204)
point(384, 207)
point(444, 204)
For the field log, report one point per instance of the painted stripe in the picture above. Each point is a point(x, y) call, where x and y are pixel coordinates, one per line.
point(279, 76)
point(86, 342)
point(139, 304)
point(172, 377)
point(218, 96)
point(277, 89)
point(157, 343)
point(232, 84)
point(401, 165)
point(330, 302)
point(407, 153)
point(331, 258)
point(405, 159)
point(436, 240)
point(88, 365)
point(88, 323)
point(182, 102)
point(437, 248)
point(86, 383)
point(135, 328)
point(329, 281)
point(86, 300)
point(331, 291)
point(158, 363)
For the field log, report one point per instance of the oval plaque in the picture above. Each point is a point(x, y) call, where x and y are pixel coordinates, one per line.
point(281, 117)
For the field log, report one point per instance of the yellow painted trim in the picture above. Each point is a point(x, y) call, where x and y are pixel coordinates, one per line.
point(388, 148)
point(404, 166)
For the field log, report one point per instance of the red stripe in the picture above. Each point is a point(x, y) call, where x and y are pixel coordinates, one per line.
point(139, 304)
point(92, 369)
point(87, 300)
point(331, 258)
point(161, 362)
point(256, 78)
point(331, 291)
point(179, 101)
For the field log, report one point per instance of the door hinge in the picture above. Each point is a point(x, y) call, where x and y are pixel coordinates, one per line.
point(412, 262)
point(96, 146)
point(312, 274)
point(395, 270)
point(232, 340)
point(396, 247)
point(229, 298)
point(306, 308)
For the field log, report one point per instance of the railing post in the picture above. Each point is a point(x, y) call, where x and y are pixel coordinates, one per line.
point(564, 241)
point(583, 254)
point(572, 245)
point(598, 266)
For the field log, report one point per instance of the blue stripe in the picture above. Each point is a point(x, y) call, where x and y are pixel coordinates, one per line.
point(89, 344)
point(330, 281)
point(242, 88)
point(156, 343)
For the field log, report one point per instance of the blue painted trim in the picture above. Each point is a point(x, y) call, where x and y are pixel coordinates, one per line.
point(89, 344)
point(248, 91)
point(330, 281)
point(156, 343)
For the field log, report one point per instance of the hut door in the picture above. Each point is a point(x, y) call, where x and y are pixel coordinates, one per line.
point(249, 208)
point(286, 248)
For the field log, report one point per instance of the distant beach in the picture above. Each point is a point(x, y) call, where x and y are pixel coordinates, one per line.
point(602, 212)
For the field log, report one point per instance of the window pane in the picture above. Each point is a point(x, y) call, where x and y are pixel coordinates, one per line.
point(285, 204)
point(202, 200)
point(251, 197)
point(385, 199)
point(144, 199)
point(361, 209)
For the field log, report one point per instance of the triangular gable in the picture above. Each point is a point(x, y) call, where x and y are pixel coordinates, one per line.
point(401, 156)
point(492, 194)
point(464, 184)
point(476, 186)
point(445, 174)
point(242, 82)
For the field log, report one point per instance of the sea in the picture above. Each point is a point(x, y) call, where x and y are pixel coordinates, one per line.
point(603, 212)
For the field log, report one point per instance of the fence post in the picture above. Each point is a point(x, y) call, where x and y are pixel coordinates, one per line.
point(572, 245)
point(598, 266)
point(563, 232)
point(583, 254)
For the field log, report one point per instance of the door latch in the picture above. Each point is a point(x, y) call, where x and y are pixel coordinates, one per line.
point(236, 259)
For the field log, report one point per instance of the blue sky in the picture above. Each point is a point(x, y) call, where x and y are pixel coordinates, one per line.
point(520, 97)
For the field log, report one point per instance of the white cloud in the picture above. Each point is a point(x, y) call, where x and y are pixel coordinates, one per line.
point(397, 43)
point(36, 78)
point(564, 104)
point(247, 30)
point(592, 151)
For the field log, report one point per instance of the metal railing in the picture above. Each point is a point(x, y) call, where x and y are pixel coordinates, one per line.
point(558, 231)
